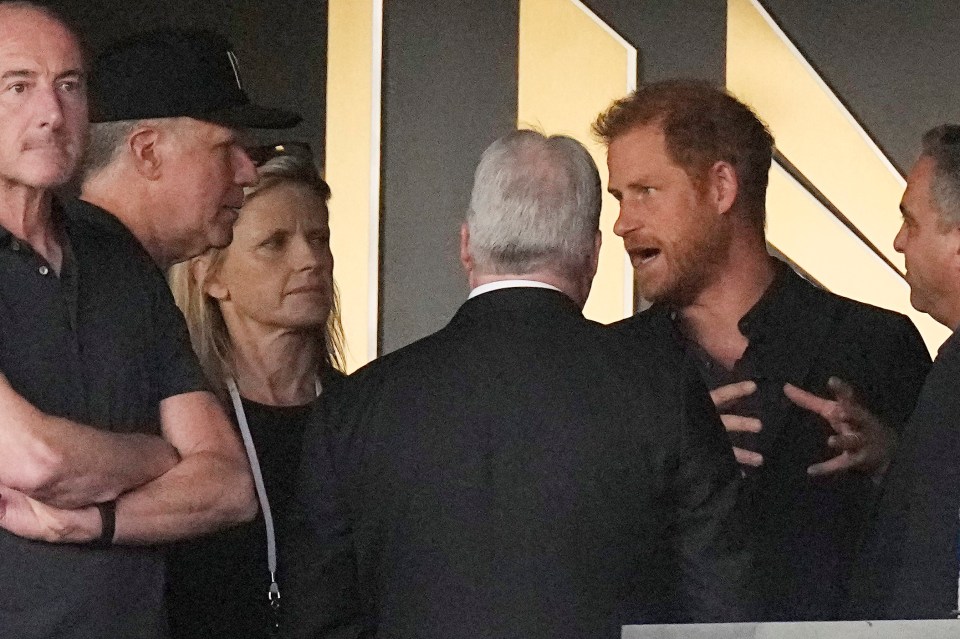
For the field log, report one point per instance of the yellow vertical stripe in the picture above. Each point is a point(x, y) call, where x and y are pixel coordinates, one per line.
point(571, 67)
point(353, 166)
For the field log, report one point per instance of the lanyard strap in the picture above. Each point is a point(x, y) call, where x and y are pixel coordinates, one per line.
point(273, 594)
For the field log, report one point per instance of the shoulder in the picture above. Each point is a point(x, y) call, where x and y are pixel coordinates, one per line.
point(97, 233)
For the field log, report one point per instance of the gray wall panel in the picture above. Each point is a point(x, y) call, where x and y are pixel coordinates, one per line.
point(450, 88)
point(674, 38)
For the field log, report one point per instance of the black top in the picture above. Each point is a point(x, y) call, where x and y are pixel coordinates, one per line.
point(806, 530)
point(909, 566)
point(217, 585)
point(102, 344)
point(524, 472)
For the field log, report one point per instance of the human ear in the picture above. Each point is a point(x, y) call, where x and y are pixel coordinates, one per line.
point(725, 185)
point(144, 147)
point(201, 269)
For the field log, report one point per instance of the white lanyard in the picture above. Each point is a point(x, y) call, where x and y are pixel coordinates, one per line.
point(273, 594)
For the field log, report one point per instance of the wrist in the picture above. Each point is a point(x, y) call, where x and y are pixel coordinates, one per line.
point(107, 513)
point(80, 526)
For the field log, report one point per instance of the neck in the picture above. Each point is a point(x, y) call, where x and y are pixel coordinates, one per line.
point(573, 290)
point(277, 367)
point(132, 207)
point(26, 212)
point(739, 282)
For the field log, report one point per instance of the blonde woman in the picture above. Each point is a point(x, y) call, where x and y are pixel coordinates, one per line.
point(264, 321)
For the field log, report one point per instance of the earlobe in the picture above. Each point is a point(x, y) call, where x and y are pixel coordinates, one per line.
point(144, 147)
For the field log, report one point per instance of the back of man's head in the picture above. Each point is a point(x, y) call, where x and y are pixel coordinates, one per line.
point(535, 206)
point(701, 125)
point(942, 145)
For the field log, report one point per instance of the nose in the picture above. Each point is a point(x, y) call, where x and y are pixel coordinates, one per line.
point(244, 170)
point(899, 241)
point(306, 254)
point(626, 220)
point(50, 108)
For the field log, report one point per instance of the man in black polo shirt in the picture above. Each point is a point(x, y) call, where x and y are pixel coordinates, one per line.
point(109, 441)
point(909, 567)
point(688, 164)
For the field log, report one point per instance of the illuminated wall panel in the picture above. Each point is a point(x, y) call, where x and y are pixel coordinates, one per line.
point(812, 237)
point(353, 166)
point(571, 66)
point(812, 128)
point(825, 144)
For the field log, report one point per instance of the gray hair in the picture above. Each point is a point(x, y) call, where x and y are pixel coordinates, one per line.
point(942, 145)
point(535, 205)
point(106, 140)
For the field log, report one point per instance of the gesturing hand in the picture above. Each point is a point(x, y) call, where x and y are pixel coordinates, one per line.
point(722, 397)
point(864, 443)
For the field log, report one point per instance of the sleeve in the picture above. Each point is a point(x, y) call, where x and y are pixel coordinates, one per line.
point(323, 597)
point(903, 361)
point(176, 368)
point(709, 530)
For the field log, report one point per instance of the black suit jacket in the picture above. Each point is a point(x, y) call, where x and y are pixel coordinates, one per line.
point(523, 472)
point(807, 530)
point(908, 569)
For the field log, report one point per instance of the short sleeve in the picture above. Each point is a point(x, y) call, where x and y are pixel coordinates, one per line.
point(176, 367)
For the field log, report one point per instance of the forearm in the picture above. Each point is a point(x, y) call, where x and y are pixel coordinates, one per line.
point(209, 488)
point(69, 465)
point(203, 493)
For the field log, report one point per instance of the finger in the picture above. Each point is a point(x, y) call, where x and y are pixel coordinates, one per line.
point(723, 395)
point(741, 424)
point(851, 441)
point(747, 457)
point(834, 465)
point(809, 401)
point(841, 390)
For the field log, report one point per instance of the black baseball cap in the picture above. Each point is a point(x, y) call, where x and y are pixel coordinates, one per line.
point(173, 73)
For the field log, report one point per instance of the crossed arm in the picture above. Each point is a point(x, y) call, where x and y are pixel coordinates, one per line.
point(193, 480)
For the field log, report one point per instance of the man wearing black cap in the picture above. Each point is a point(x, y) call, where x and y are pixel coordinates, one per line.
point(109, 442)
point(166, 154)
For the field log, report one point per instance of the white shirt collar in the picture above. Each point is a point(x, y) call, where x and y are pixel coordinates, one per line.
point(494, 286)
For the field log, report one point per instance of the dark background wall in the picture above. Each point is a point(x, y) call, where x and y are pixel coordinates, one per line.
point(449, 88)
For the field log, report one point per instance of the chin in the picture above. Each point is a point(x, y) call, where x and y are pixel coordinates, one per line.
point(48, 178)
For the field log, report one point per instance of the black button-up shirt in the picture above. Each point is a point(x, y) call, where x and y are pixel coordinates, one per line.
point(806, 530)
point(102, 344)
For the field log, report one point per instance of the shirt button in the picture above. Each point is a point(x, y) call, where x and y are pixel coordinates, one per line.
point(44, 270)
point(15, 245)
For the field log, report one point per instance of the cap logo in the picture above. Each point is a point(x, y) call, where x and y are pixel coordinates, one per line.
point(236, 68)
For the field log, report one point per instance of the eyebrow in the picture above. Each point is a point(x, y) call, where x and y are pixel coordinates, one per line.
point(26, 73)
point(18, 73)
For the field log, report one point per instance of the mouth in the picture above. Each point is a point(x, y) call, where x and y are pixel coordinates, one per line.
point(306, 288)
point(642, 256)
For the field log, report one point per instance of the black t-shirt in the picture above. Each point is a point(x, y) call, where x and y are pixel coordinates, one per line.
point(218, 584)
point(102, 344)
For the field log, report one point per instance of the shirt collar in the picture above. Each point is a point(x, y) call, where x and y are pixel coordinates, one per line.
point(495, 286)
point(780, 301)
